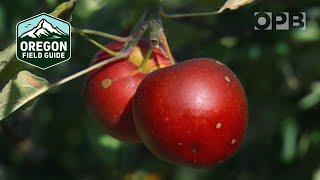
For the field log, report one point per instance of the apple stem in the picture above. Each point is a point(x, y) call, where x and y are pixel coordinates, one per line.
point(143, 66)
point(157, 37)
point(101, 34)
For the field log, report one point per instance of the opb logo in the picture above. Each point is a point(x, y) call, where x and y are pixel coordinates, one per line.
point(280, 21)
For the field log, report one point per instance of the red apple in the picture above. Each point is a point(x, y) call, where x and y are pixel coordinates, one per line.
point(109, 90)
point(193, 113)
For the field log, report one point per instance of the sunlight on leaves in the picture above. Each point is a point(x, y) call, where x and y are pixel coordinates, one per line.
point(234, 4)
point(109, 142)
point(142, 175)
point(229, 42)
point(311, 99)
point(6, 55)
point(306, 141)
point(316, 175)
point(64, 10)
point(20, 91)
point(310, 34)
point(88, 7)
point(290, 131)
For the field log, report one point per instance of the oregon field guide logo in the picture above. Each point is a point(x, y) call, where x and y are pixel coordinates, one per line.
point(43, 41)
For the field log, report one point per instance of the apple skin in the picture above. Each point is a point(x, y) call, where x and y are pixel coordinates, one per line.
point(112, 104)
point(193, 113)
point(109, 90)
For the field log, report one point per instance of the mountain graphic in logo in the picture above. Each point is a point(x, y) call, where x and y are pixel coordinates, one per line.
point(44, 30)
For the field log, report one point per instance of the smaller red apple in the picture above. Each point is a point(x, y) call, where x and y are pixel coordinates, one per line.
point(109, 90)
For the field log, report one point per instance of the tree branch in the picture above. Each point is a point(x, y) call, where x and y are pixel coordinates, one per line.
point(157, 36)
point(137, 33)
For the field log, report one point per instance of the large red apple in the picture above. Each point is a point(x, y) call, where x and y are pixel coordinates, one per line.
point(109, 90)
point(193, 113)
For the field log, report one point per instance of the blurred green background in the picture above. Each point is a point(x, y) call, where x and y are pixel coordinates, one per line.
point(57, 139)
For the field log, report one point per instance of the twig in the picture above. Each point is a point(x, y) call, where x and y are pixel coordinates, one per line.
point(102, 47)
point(184, 15)
point(102, 34)
point(87, 70)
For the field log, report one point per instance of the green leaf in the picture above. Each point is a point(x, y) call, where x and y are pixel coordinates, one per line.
point(290, 130)
point(234, 4)
point(312, 99)
point(316, 174)
point(6, 55)
point(18, 92)
point(109, 142)
point(310, 34)
point(63, 11)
